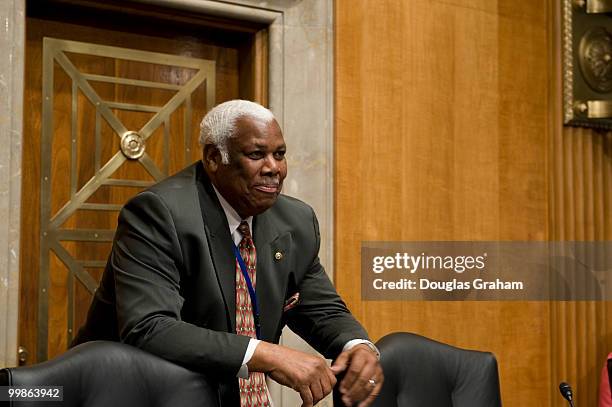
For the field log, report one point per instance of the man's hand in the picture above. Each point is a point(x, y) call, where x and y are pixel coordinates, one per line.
point(364, 376)
point(307, 374)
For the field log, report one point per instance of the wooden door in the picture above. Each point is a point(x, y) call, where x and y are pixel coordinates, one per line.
point(109, 112)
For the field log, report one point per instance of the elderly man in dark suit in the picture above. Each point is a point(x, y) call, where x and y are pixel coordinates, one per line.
point(209, 265)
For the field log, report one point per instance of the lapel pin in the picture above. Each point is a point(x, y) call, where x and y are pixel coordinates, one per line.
point(278, 255)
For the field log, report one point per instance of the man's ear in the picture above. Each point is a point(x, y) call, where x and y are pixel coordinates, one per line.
point(211, 157)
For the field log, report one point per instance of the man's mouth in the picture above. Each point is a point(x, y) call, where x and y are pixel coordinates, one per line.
point(268, 188)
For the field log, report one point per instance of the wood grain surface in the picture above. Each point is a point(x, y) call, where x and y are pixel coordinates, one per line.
point(445, 131)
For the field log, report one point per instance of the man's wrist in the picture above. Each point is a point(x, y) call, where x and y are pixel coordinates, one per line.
point(243, 372)
point(352, 343)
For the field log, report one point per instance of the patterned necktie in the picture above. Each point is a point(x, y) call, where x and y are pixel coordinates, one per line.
point(253, 391)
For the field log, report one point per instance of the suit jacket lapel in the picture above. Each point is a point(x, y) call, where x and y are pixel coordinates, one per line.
point(220, 243)
point(272, 272)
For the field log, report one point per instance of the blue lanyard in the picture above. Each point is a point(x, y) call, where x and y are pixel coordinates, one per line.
point(249, 284)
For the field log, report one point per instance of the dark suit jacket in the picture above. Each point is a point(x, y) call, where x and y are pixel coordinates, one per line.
point(169, 284)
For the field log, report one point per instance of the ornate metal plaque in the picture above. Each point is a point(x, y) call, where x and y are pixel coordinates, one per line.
point(587, 63)
point(132, 145)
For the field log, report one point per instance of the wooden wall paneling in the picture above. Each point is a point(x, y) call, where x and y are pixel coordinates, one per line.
point(30, 219)
point(441, 134)
point(581, 333)
point(580, 206)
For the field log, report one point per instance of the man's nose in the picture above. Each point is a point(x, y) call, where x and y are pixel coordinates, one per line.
point(270, 165)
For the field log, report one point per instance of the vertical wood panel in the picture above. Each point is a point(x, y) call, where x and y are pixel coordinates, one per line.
point(580, 204)
point(448, 127)
point(442, 134)
point(582, 335)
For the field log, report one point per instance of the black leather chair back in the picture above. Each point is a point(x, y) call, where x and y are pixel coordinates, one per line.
point(111, 374)
point(420, 372)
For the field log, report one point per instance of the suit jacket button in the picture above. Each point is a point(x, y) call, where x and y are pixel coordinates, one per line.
point(278, 255)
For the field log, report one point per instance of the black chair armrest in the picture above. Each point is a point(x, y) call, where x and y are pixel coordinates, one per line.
point(4, 377)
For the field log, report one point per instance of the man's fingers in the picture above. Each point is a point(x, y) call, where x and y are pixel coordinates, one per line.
point(363, 378)
point(373, 394)
point(307, 374)
point(317, 392)
point(327, 384)
point(340, 363)
point(362, 386)
point(331, 379)
point(325, 387)
point(375, 390)
point(306, 395)
point(352, 373)
point(366, 369)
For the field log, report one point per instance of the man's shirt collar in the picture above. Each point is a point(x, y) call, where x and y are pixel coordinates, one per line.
point(233, 219)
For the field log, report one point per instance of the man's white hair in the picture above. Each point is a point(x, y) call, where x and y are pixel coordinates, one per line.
point(219, 124)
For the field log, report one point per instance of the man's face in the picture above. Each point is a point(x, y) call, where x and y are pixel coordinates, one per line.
point(254, 176)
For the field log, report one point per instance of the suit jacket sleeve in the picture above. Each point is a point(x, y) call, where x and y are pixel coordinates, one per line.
point(321, 317)
point(146, 261)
